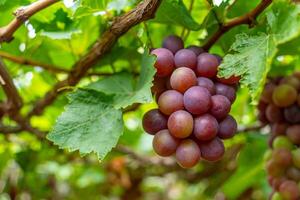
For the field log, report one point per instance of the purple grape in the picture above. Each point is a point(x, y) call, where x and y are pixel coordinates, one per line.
point(274, 114)
point(154, 121)
point(170, 101)
point(205, 127)
point(188, 154)
point(293, 133)
point(197, 50)
point(197, 100)
point(173, 43)
point(227, 128)
point(164, 62)
point(207, 83)
point(292, 114)
point(207, 65)
point(164, 144)
point(182, 79)
point(212, 150)
point(226, 91)
point(185, 58)
point(220, 106)
point(180, 124)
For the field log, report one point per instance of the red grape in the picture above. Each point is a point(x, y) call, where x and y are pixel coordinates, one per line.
point(173, 43)
point(188, 153)
point(212, 150)
point(205, 127)
point(164, 62)
point(170, 101)
point(292, 81)
point(164, 144)
point(282, 157)
point(154, 121)
point(197, 100)
point(207, 65)
point(197, 50)
point(226, 91)
point(207, 83)
point(273, 169)
point(273, 114)
point(220, 106)
point(292, 114)
point(284, 95)
point(289, 190)
point(180, 124)
point(279, 128)
point(182, 79)
point(227, 128)
point(185, 58)
point(293, 133)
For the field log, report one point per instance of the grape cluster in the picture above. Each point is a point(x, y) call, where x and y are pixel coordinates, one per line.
point(193, 104)
point(279, 107)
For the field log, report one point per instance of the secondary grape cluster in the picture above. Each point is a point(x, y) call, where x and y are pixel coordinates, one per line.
point(193, 104)
point(279, 107)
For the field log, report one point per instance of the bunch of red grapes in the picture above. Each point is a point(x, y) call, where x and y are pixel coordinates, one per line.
point(193, 104)
point(280, 107)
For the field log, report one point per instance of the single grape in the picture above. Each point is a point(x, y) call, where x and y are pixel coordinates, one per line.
point(293, 133)
point(170, 101)
point(182, 79)
point(279, 128)
point(274, 114)
point(292, 114)
point(276, 196)
point(232, 80)
point(289, 190)
point(293, 173)
point(267, 93)
point(185, 58)
point(282, 157)
point(282, 142)
point(227, 128)
point(197, 50)
point(173, 43)
point(164, 62)
point(197, 100)
point(205, 127)
point(207, 65)
point(292, 81)
point(164, 144)
point(188, 154)
point(180, 124)
point(212, 150)
point(296, 157)
point(277, 181)
point(154, 121)
point(220, 106)
point(284, 95)
point(226, 91)
point(273, 169)
point(207, 83)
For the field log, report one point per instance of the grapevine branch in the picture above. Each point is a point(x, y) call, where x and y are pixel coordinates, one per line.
point(143, 11)
point(248, 18)
point(21, 15)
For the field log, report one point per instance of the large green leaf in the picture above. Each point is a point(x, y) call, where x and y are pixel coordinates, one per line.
point(251, 56)
point(89, 124)
point(122, 86)
point(175, 12)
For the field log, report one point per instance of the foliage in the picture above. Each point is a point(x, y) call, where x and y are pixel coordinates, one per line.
point(104, 109)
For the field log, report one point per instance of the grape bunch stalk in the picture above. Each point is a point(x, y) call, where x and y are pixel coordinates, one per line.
point(193, 104)
point(279, 107)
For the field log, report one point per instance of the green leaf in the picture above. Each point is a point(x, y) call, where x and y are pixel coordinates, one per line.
point(89, 124)
point(175, 12)
point(121, 86)
point(251, 58)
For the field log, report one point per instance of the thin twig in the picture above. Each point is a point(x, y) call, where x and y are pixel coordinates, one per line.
point(21, 15)
point(248, 18)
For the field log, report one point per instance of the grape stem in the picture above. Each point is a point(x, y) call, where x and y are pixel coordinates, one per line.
point(248, 18)
point(21, 15)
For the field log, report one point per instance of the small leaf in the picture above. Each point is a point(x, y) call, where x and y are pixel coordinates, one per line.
point(89, 124)
point(122, 88)
point(174, 12)
point(250, 58)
